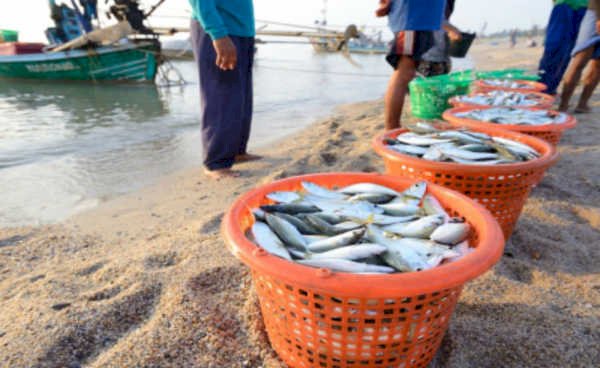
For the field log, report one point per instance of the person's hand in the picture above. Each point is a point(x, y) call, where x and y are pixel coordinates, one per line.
point(455, 35)
point(598, 26)
point(226, 53)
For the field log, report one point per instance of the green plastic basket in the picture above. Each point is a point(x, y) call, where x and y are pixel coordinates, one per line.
point(429, 96)
point(8, 36)
point(520, 74)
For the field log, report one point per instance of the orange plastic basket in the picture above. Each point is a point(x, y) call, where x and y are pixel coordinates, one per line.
point(551, 133)
point(545, 101)
point(502, 189)
point(317, 318)
point(480, 86)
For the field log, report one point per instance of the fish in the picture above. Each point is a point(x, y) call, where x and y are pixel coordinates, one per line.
point(347, 233)
point(432, 206)
point(321, 225)
point(375, 198)
point(290, 208)
point(351, 252)
point(343, 265)
point(422, 128)
point(402, 258)
point(337, 241)
point(501, 98)
point(451, 233)
point(515, 116)
point(408, 149)
point(418, 140)
point(267, 240)
point(284, 197)
point(320, 191)
point(472, 148)
point(368, 188)
point(303, 227)
point(286, 232)
point(400, 209)
point(421, 228)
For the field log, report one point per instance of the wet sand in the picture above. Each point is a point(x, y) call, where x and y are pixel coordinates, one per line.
point(146, 281)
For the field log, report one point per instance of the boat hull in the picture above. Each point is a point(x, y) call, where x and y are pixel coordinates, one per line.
point(125, 63)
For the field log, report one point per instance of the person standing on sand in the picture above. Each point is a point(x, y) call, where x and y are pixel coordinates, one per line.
point(413, 23)
point(561, 34)
point(437, 60)
point(222, 35)
point(586, 51)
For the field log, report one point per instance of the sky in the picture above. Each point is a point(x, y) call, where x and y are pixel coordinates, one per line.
point(31, 17)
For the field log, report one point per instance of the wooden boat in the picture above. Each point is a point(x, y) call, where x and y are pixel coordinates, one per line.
point(130, 62)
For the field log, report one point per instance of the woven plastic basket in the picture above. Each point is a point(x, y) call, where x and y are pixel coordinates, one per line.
point(520, 74)
point(532, 86)
point(317, 318)
point(545, 101)
point(429, 96)
point(551, 133)
point(502, 189)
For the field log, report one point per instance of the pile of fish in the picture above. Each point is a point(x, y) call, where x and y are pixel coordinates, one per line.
point(507, 83)
point(501, 98)
point(509, 115)
point(461, 146)
point(363, 228)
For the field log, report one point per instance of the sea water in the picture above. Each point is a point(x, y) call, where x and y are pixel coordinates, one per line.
point(66, 147)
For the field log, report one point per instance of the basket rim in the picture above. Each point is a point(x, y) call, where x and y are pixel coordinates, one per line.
point(487, 253)
point(450, 116)
point(535, 86)
point(549, 154)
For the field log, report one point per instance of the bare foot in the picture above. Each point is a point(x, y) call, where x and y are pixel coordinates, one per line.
point(563, 108)
point(582, 110)
point(247, 157)
point(221, 174)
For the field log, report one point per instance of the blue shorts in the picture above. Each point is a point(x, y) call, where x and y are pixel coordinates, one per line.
point(588, 37)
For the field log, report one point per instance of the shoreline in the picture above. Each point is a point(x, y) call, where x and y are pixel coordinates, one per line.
point(145, 279)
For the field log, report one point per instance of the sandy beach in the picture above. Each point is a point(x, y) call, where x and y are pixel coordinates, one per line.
point(146, 281)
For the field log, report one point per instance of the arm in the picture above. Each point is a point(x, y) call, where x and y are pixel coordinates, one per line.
point(211, 19)
point(453, 32)
point(215, 27)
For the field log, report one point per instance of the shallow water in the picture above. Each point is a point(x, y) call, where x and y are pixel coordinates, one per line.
point(67, 147)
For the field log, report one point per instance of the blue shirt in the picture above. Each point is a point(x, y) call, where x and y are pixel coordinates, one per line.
point(221, 18)
point(416, 15)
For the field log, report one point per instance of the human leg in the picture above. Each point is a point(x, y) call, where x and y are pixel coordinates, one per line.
point(573, 75)
point(590, 82)
point(396, 92)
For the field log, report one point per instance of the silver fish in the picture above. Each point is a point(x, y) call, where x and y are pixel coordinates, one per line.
point(451, 233)
point(433, 207)
point(421, 228)
point(367, 188)
point(286, 232)
point(269, 241)
point(290, 208)
point(351, 252)
point(402, 258)
point(342, 265)
point(284, 197)
point(400, 209)
point(320, 191)
point(417, 140)
point(337, 241)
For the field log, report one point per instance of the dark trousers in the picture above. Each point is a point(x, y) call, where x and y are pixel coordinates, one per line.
point(561, 35)
point(225, 99)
